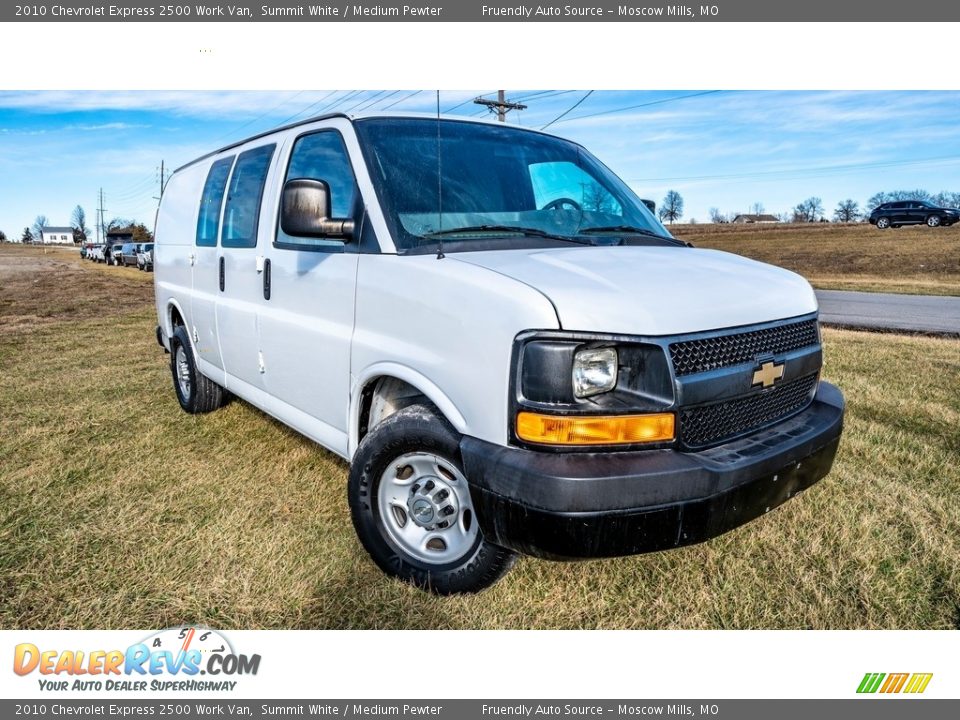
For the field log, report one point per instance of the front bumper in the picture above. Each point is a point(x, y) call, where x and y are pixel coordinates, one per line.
point(576, 505)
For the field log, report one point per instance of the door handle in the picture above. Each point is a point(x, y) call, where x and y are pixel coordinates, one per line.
point(222, 283)
point(192, 258)
point(266, 279)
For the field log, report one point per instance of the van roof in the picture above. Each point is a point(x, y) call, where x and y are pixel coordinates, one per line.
point(351, 117)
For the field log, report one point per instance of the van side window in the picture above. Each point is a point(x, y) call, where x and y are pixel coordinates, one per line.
point(243, 198)
point(323, 156)
point(208, 222)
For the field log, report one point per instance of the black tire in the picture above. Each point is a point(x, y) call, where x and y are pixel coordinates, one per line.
point(416, 429)
point(201, 394)
point(883, 223)
point(933, 221)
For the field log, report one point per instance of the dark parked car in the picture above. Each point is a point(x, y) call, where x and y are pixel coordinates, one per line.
point(128, 254)
point(912, 212)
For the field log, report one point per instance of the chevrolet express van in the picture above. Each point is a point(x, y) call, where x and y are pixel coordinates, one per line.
point(497, 334)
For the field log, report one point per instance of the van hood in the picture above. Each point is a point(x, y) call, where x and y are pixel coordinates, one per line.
point(652, 290)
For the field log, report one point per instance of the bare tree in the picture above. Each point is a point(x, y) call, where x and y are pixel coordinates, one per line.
point(597, 199)
point(908, 195)
point(716, 216)
point(27, 236)
point(3, 236)
point(876, 201)
point(672, 208)
point(847, 211)
point(757, 208)
point(39, 223)
point(946, 199)
point(79, 223)
point(810, 210)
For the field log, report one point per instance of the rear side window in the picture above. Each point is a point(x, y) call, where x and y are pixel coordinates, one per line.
point(243, 198)
point(208, 223)
point(323, 156)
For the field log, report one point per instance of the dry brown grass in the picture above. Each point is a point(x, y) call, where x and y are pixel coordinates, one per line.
point(915, 260)
point(118, 510)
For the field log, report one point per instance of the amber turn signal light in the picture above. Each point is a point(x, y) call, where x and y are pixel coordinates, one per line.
point(594, 429)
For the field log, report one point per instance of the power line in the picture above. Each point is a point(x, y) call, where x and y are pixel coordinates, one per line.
point(369, 97)
point(468, 101)
point(307, 108)
point(259, 117)
point(568, 110)
point(805, 172)
point(369, 105)
point(403, 99)
point(544, 95)
point(340, 101)
point(643, 105)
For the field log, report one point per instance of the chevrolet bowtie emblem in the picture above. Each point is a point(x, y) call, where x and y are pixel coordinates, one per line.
point(768, 374)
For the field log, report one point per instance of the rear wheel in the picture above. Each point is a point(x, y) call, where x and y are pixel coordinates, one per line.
point(195, 392)
point(412, 510)
point(933, 221)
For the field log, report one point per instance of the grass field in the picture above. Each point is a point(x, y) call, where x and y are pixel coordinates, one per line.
point(117, 510)
point(915, 260)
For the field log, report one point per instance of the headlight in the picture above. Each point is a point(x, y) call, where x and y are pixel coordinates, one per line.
point(594, 371)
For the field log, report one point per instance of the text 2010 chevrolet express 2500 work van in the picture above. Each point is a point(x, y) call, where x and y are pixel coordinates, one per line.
point(511, 351)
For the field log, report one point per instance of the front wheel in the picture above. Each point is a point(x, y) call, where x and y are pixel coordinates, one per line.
point(196, 393)
point(933, 221)
point(883, 223)
point(411, 506)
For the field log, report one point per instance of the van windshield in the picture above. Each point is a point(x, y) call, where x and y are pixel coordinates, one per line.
point(493, 186)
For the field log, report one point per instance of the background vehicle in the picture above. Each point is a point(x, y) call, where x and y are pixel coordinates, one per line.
point(145, 257)
point(112, 253)
point(96, 253)
point(128, 254)
point(912, 212)
point(512, 352)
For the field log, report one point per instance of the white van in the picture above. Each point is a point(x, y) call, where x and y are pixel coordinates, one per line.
point(510, 350)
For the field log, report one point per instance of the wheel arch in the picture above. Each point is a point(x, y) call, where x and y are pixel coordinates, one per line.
point(173, 315)
point(394, 386)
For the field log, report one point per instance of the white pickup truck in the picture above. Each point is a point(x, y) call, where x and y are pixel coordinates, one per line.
point(497, 334)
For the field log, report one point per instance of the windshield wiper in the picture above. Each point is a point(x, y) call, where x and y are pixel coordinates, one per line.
point(533, 232)
point(624, 230)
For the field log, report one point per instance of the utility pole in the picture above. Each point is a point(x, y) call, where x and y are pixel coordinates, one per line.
point(501, 105)
point(101, 227)
point(163, 179)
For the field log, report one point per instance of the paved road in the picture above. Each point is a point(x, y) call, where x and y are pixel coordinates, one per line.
point(885, 311)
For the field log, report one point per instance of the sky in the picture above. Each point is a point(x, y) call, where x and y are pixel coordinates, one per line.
point(722, 149)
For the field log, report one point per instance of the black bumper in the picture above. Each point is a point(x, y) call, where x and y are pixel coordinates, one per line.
point(576, 505)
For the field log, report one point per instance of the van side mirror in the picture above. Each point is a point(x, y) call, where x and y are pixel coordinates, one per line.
point(651, 206)
point(305, 209)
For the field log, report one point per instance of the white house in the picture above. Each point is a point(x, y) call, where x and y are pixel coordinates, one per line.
point(50, 235)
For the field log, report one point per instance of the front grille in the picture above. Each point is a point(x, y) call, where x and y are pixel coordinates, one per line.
point(712, 424)
point(694, 356)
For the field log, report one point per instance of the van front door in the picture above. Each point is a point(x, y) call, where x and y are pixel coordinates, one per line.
point(306, 322)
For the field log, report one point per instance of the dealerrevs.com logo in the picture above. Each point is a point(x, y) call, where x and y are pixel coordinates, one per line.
point(179, 659)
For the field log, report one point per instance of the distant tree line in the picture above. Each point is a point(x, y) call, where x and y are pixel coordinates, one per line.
point(849, 210)
point(81, 233)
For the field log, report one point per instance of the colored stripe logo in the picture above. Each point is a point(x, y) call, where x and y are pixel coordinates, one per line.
point(913, 683)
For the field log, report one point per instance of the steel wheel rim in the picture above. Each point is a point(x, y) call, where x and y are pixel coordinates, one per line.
point(183, 372)
point(412, 514)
